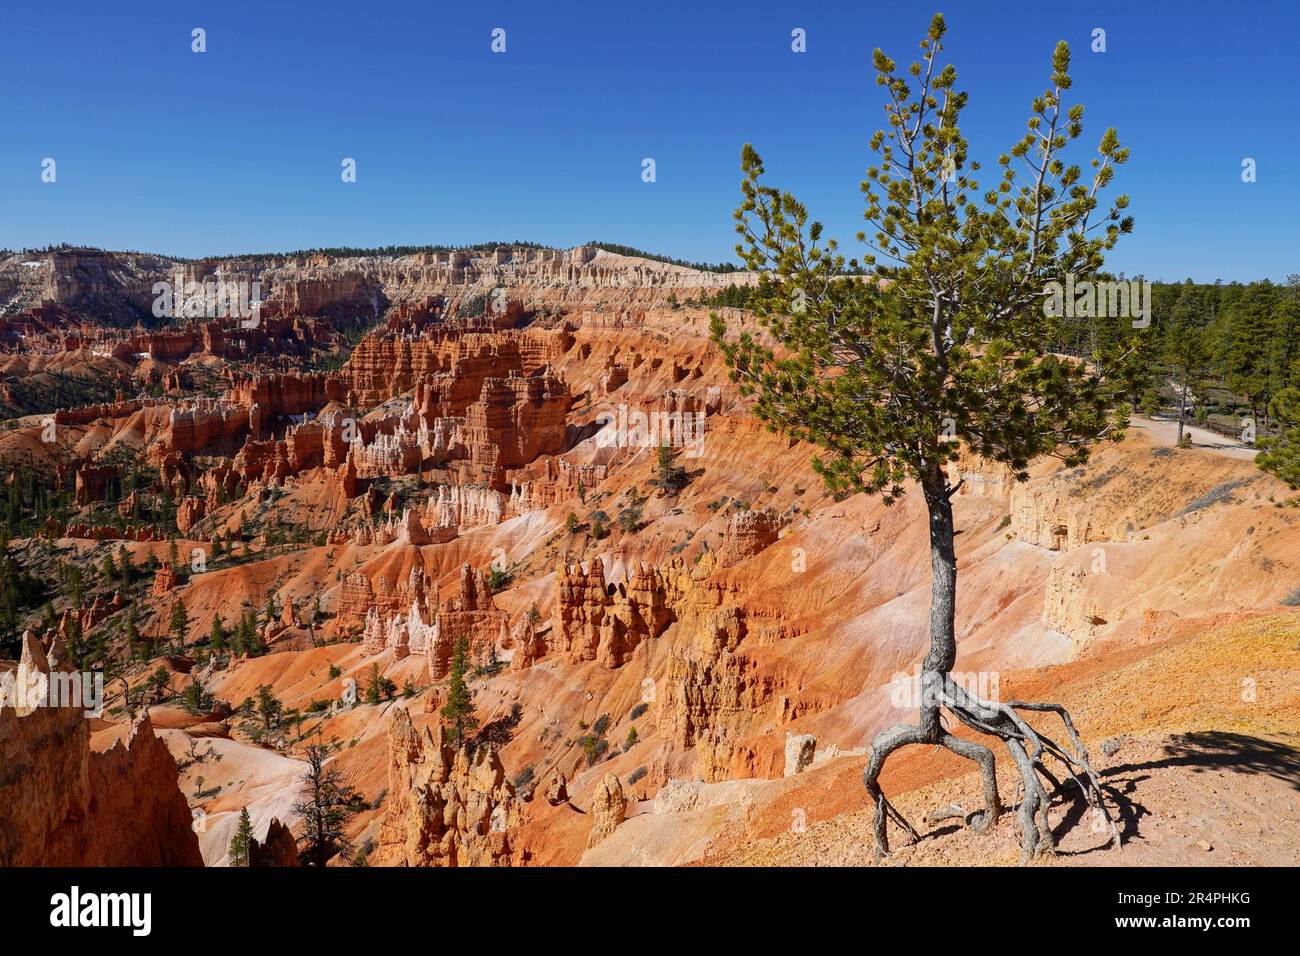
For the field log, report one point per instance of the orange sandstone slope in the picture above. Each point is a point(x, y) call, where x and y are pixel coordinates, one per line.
point(654, 659)
point(800, 630)
point(819, 647)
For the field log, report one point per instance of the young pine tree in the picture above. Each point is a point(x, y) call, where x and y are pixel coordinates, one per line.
point(131, 632)
point(1187, 354)
point(895, 366)
point(242, 840)
point(179, 623)
point(458, 712)
point(217, 636)
point(269, 707)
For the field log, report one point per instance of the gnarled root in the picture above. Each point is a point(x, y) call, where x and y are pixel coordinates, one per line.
point(1029, 751)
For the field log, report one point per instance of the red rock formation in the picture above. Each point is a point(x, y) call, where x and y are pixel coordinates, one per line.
point(748, 533)
point(206, 425)
point(444, 807)
point(85, 414)
point(189, 512)
point(164, 579)
point(398, 619)
point(284, 394)
point(528, 644)
point(277, 848)
point(714, 695)
point(597, 621)
point(473, 616)
point(62, 805)
point(99, 532)
point(452, 365)
point(608, 809)
point(515, 421)
point(91, 482)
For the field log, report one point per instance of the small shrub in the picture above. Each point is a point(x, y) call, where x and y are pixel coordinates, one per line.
point(629, 519)
point(524, 778)
point(594, 748)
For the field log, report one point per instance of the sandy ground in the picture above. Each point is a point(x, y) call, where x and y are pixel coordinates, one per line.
point(1165, 431)
point(1191, 799)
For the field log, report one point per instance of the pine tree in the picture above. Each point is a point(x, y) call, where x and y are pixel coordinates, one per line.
point(158, 682)
point(125, 568)
point(179, 624)
point(76, 650)
point(217, 636)
point(1186, 353)
point(669, 475)
point(254, 646)
point(458, 712)
point(130, 632)
point(1280, 456)
point(269, 707)
point(1284, 354)
point(1245, 329)
point(895, 367)
point(242, 841)
point(326, 805)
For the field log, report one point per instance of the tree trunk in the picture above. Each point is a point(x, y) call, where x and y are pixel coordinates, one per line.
point(1028, 748)
point(943, 603)
point(1182, 413)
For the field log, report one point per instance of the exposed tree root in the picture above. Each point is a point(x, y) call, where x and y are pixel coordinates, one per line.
point(1029, 751)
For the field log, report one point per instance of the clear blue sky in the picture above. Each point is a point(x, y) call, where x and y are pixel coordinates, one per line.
point(239, 148)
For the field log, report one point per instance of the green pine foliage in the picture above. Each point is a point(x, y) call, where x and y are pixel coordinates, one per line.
point(242, 841)
point(458, 711)
point(1280, 455)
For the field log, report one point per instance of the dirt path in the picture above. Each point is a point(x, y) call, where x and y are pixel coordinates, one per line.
point(1165, 432)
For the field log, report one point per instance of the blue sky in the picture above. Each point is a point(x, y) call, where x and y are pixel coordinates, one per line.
point(238, 149)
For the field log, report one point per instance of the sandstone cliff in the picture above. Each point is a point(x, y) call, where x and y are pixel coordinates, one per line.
point(445, 807)
point(63, 805)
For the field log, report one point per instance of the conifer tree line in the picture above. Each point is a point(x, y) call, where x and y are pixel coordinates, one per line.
point(1236, 346)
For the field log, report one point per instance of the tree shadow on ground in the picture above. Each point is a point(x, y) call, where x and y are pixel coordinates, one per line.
point(1200, 752)
point(1217, 750)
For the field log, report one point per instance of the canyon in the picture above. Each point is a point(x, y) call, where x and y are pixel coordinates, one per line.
point(678, 664)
